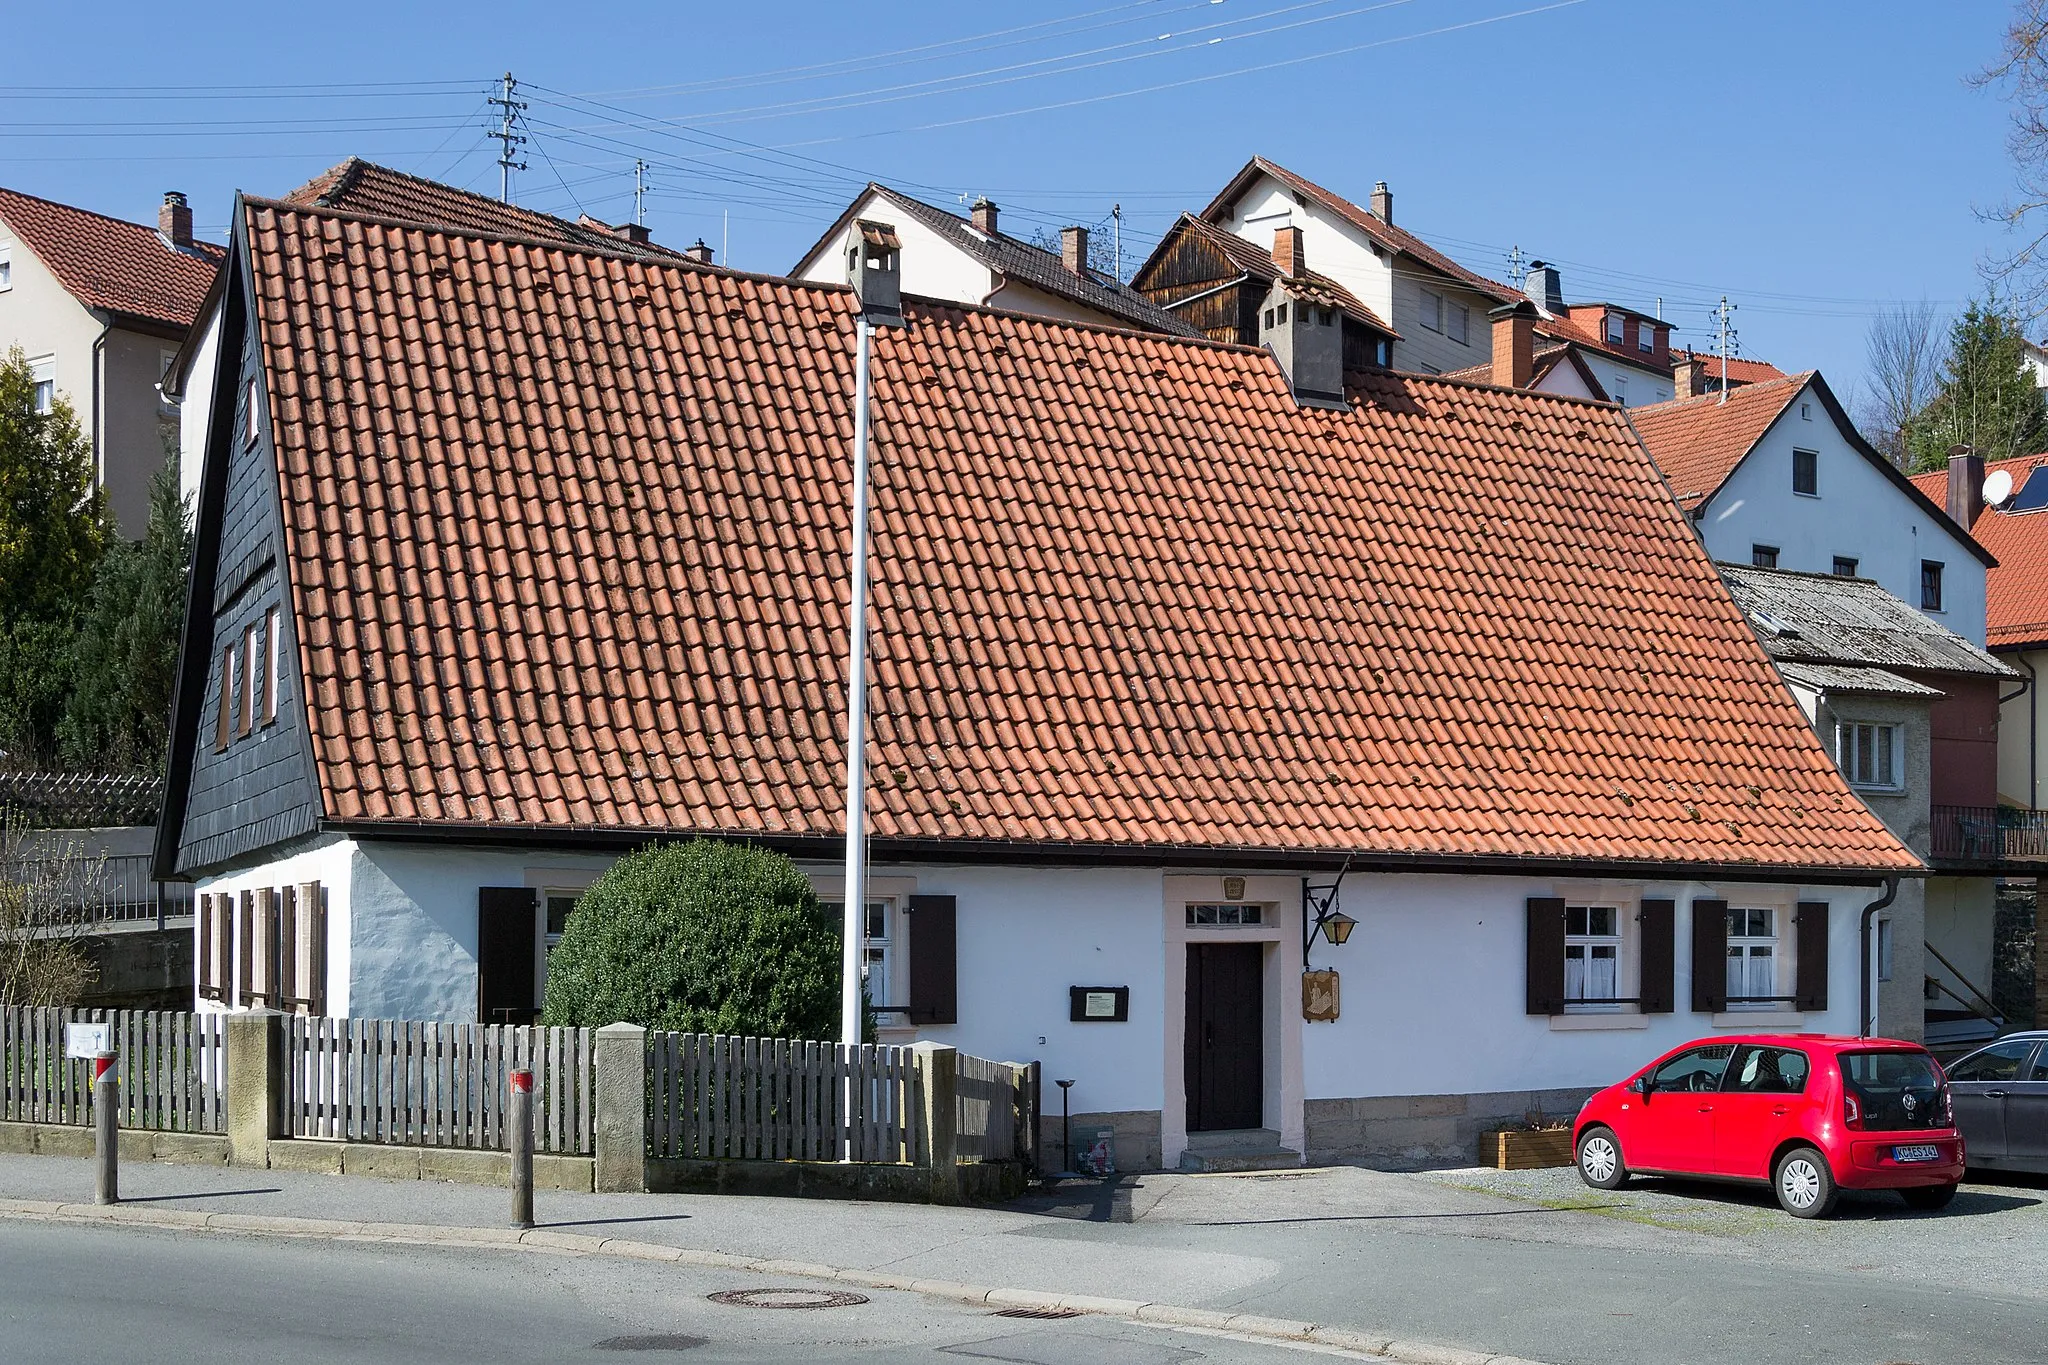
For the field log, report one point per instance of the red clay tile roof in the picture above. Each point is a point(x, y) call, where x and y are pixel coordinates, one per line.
point(1381, 231)
point(1697, 442)
point(566, 536)
point(364, 187)
point(2016, 589)
point(1577, 333)
point(111, 264)
point(1740, 371)
point(1547, 356)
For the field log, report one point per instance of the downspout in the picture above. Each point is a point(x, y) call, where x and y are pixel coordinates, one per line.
point(99, 360)
point(1866, 1023)
point(1002, 282)
point(2033, 727)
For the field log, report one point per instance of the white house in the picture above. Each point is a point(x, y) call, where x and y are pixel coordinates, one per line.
point(99, 306)
point(535, 553)
point(1777, 476)
point(972, 260)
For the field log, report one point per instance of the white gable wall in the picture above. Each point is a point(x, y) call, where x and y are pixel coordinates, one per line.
point(196, 408)
point(932, 266)
point(1564, 380)
point(1859, 513)
point(1627, 385)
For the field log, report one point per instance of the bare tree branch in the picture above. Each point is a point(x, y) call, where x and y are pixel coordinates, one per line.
point(1904, 351)
point(44, 887)
point(2021, 75)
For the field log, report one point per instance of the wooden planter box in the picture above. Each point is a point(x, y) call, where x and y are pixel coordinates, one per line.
point(1513, 1149)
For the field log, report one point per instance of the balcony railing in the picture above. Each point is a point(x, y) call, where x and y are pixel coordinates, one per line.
point(1989, 834)
point(115, 891)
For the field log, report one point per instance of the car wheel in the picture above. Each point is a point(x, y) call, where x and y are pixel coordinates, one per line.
point(1929, 1196)
point(1600, 1162)
point(1804, 1184)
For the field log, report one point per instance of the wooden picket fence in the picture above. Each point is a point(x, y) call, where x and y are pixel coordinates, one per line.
point(422, 1084)
point(994, 1109)
point(713, 1097)
point(171, 1068)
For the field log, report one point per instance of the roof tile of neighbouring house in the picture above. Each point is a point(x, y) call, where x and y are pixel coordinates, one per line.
point(1740, 371)
point(364, 187)
point(1030, 265)
point(566, 537)
point(1257, 262)
point(1826, 619)
point(112, 264)
point(2016, 590)
point(1697, 442)
point(1576, 332)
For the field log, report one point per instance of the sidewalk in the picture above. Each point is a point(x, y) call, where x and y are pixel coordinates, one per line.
point(1022, 1256)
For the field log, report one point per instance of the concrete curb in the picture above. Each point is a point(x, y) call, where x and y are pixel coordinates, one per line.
point(549, 1241)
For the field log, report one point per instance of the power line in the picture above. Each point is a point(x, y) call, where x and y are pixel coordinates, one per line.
point(507, 139)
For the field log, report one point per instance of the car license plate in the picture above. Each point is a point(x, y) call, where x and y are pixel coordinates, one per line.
point(1916, 1153)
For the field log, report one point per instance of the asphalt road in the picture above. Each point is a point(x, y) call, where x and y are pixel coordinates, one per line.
point(90, 1295)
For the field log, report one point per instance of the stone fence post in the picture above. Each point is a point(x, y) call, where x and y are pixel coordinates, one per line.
point(938, 1071)
point(255, 1082)
point(620, 1140)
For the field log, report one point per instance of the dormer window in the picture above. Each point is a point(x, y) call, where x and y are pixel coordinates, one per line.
point(1646, 338)
point(1614, 328)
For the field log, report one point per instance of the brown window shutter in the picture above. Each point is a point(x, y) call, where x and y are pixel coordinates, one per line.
point(1546, 955)
point(1709, 957)
point(290, 990)
point(934, 960)
point(313, 918)
point(1811, 970)
point(225, 724)
point(244, 932)
point(507, 927)
point(1659, 956)
point(203, 946)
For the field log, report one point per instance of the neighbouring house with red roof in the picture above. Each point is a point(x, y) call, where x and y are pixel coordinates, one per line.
point(513, 554)
point(1404, 304)
point(99, 306)
point(1696, 372)
point(972, 260)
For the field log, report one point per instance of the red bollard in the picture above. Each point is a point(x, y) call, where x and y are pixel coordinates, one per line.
point(521, 1139)
point(106, 1130)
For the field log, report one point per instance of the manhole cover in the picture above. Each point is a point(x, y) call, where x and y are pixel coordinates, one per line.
point(787, 1298)
point(1045, 1313)
point(653, 1341)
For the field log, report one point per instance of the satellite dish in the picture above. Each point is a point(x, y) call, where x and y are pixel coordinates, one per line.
point(1998, 487)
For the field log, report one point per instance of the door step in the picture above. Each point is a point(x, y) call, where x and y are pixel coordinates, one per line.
point(1250, 1149)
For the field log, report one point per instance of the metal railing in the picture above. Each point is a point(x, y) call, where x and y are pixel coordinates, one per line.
point(1989, 834)
point(113, 891)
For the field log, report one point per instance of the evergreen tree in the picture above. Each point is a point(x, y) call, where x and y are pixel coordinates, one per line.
point(1988, 398)
point(124, 660)
point(53, 531)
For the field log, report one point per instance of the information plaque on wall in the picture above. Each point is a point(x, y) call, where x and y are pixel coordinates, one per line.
point(1099, 1004)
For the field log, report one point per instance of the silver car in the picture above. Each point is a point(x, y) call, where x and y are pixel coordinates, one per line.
point(2001, 1099)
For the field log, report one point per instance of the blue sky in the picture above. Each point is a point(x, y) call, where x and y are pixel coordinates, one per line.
point(1812, 161)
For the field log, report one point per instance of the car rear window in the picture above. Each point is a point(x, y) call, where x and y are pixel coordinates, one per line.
point(1897, 1089)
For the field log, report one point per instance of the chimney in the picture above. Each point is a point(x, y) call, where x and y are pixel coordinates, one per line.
point(635, 233)
point(874, 267)
point(1688, 375)
point(1545, 289)
point(1307, 340)
point(699, 253)
point(983, 216)
point(1074, 250)
point(1965, 485)
point(1383, 202)
point(1514, 344)
point(174, 219)
point(1287, 252)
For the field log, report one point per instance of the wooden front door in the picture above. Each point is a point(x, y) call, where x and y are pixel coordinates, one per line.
point(507, 965)
point(1226, 1044)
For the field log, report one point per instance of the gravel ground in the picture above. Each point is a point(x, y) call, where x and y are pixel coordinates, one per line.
point(1993, 1235)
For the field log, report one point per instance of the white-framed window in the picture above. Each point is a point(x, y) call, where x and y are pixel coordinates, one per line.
point(1432, 310)
point(1458, 323)
point(557, 902)
point(1752, 959)
point(163, 375)
point(1884, 950)
point(878, 951)
point(1226, 914)
point(1806, 472)
point(250, 421)
point(275, 674)
point(1646, 338)
point(1620, 393)
point(1872, 755)
point(1614, 328)
point(252, 674)
point(42, 371)
point(6, 268)
point(1592, 957)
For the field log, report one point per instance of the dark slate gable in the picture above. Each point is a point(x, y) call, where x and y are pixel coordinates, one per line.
point(227, 806)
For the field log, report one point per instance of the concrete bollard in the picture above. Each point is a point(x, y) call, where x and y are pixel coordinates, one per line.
point(521, 1138)
point(620, 1058)
point(106, 1131)
point(255, 1084)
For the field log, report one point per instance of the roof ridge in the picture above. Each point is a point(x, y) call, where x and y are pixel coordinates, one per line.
point(148, 228)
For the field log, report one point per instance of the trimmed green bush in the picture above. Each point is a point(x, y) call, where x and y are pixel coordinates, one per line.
point(703, 937)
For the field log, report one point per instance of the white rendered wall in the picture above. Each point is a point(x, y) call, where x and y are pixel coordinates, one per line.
point(332, 864)
point(1565, 381)
point(1961, 916)
point(932, 266)
point(197, 406)
point(1859, 513)
point(1434, 988)
point(1627, 385)
point(2022, 724)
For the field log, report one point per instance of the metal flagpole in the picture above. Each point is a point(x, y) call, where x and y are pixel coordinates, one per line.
point(853, 939)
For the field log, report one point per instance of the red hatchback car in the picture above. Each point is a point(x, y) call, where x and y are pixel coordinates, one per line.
point(1810, 1114)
